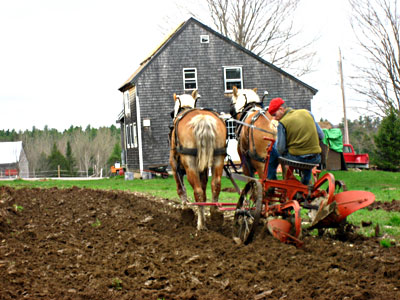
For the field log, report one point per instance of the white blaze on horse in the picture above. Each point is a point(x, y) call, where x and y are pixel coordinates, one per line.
point(198, 142)
point(255, 124)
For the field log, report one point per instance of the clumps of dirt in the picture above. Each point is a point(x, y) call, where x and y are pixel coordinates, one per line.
point(393, 205)
point(91, 244)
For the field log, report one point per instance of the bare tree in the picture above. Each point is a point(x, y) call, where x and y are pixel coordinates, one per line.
point(266, 28)
point(376, 26)
point(103, 145)
point(35, 147)
point(82, 148)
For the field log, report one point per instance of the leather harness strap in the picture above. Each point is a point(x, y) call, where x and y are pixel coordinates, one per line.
point(260, 112)
point(192, 151)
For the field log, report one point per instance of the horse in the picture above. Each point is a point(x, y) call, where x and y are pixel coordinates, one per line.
point(197, 142)
point(253, 124)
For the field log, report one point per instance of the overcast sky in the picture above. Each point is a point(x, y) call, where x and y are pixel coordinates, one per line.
point(62, 61)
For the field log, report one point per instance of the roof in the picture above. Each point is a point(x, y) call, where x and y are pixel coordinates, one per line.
point(178, 30)
point(10, 152)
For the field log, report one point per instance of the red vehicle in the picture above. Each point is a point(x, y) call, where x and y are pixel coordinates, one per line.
point(11, 172)
point(354, 160)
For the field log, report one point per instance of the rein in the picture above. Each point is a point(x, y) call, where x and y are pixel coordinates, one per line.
point(252, 126)
point(253, 154)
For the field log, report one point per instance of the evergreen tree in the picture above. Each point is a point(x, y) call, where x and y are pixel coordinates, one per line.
point(70, 160)
point(56, 159)
point(115, 155)
point(387, 143)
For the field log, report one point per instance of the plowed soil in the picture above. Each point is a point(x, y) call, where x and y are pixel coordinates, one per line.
point(88, 244)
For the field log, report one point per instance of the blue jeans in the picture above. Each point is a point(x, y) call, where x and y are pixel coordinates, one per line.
point(306, 174)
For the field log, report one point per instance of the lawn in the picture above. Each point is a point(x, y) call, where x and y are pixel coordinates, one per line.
point(384, 185)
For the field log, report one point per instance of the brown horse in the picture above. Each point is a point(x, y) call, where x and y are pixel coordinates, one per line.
point(255, 124)
point(198, 142)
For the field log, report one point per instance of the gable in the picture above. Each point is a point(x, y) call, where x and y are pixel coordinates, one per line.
point(170, 39)
point(10, 152)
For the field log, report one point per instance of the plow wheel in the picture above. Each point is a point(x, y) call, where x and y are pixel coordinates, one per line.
point(247, 214)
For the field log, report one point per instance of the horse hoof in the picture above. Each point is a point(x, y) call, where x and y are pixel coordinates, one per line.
point(187, 216)
point(202, 228)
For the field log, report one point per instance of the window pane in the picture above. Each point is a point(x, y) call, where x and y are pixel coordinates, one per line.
point(231, 129)
point(231, 84)
point(190, 84)
point(189, 75)
point(233, 73)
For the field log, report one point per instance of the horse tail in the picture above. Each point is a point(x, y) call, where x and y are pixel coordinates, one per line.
point(205, 129)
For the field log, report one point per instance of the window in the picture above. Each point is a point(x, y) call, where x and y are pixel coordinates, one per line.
point(190, 79)
point(232, 77)
point(134, 136)
point(230, 126)
point(127, 105)
point(346, 149)
point(128, 136)
point(204, 39)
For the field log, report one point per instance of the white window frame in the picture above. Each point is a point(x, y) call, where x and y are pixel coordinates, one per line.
point(185, 71)
point(127, 104)
point(127, 136)
point(204, 39)
point(226, 81)
point(230, 126)
point(135, 138)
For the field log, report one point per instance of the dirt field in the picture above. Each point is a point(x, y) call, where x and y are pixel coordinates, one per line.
point(87, 244)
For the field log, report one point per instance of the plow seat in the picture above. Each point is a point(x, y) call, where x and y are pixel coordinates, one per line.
point(296, 164)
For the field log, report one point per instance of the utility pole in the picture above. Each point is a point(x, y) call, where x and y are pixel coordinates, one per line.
point(346, 129)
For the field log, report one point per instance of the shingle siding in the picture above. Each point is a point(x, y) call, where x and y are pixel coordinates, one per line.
point(163, 77)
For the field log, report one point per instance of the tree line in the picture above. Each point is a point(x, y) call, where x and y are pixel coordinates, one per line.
point(73, 152)
point(378, 137)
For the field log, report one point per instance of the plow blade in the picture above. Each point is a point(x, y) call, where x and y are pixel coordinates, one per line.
point(341, 205)
point(280, 229)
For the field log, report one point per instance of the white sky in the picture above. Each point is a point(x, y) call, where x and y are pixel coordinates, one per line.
point(62, 61)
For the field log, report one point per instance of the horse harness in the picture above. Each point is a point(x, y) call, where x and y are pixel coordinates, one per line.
point(192, 151)
point(260, 112)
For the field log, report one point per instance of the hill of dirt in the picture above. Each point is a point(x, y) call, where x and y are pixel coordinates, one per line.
point(88, 244)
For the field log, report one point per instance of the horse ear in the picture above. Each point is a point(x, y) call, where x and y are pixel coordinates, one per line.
point(235, 91)
point(194, 94)
point(174, 97)
point(255, 90)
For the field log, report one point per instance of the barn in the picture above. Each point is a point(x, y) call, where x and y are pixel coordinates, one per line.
point(194, 56)
point(13, 161)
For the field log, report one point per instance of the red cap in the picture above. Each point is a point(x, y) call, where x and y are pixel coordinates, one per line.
point(274, 105)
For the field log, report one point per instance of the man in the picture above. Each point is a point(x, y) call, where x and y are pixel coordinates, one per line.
point(298, 138)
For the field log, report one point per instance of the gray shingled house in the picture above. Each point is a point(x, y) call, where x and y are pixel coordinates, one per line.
point(194, 56)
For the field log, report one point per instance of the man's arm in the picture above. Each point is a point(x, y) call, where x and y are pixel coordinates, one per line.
point(281, 139)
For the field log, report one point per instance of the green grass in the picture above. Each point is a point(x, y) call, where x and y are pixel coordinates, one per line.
point(164, 188)
point(384, 185)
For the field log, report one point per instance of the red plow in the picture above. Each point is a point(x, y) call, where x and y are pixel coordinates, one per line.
point(280, 202)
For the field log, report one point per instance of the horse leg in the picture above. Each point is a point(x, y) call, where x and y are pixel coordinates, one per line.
point(244, 163)
point(216, 179)
point(204, 180)
point(217, 217)
point(180, 187)
point(194, 180)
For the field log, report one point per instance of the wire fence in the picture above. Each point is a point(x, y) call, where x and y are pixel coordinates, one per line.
point(54, 174)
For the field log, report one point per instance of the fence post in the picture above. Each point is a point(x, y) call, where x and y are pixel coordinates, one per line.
point(58, 169)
